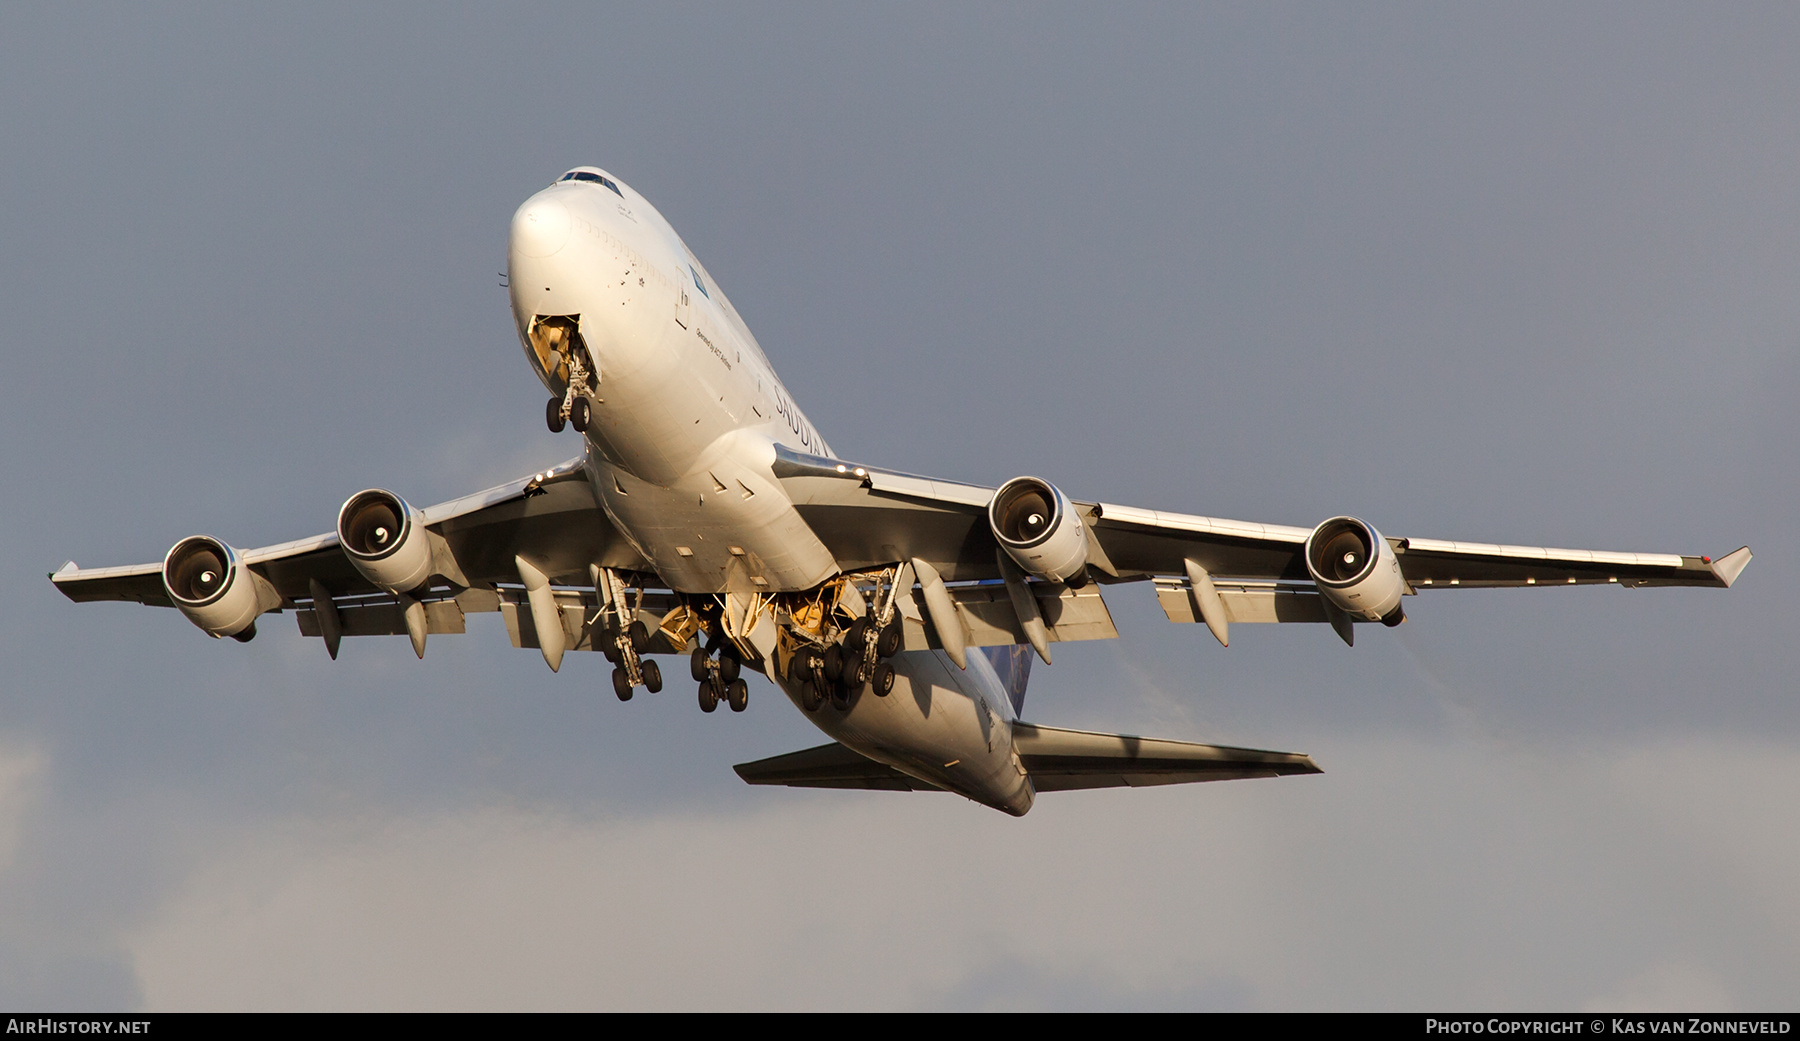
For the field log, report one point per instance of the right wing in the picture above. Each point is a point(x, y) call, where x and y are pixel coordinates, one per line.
point(549, 518)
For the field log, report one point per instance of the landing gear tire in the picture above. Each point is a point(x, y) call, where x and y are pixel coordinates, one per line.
point(834, 661)
point(553, 417)
point(812, 692)
point(621, 684)
point(729, 667)
point(888, 643)
point(640, 637)
point(843, 698)
point(709, 696)
point(737, 695)
point(854, 672)
point(697, 664)
point(652, 676)
point(579, 413)
point(800, 668)
point(883, 681)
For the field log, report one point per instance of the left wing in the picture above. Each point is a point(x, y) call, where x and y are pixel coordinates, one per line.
point(1246, 572)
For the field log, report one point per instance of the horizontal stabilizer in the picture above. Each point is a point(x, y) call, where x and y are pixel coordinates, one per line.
point(1065, 760)
point(1057, 760)
point(829, 766)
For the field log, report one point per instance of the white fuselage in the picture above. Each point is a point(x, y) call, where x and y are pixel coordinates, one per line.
point(680, 447)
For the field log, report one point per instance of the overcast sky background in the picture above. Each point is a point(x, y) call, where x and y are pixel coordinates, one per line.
point(1522, 274)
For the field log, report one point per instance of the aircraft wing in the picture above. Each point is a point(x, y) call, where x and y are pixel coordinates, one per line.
point(549, 517)
point(870, 517)
point(873, 518)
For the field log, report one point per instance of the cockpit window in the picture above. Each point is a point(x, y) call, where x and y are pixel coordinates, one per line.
point(583, 175)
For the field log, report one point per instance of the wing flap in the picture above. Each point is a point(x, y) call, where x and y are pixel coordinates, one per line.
point(578, 610)
point(1245, 602)
point(385, 619)
point(989, 619)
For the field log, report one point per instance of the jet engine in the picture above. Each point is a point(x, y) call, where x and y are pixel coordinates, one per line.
point(1356, 569)
point(210, 584)
point(385, 538)
point(1038, 527)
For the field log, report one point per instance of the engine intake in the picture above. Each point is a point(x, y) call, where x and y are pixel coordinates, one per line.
point(386, 540)
point(1037, 526)
point(1356, 569)
point(212, 587)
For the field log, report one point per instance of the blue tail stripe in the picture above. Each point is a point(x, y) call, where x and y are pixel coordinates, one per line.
point(1013, 665)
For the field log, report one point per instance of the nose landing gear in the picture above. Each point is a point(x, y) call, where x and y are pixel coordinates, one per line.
point(573, 407)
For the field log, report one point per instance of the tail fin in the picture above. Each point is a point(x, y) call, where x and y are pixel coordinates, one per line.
point(1012, 663)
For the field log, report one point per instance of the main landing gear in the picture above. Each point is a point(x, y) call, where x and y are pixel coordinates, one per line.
point(719, 679)
point(839, 671)
point(625, 649)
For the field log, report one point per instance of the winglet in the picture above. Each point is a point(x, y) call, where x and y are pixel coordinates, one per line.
point(1731, 565)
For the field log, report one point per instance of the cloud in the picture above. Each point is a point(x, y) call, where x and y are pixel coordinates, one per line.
point(44, 964)
point(1673, 987)
point(21, 771)
point(1416, 874)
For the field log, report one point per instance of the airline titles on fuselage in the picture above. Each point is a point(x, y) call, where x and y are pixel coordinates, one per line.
point(798, 424)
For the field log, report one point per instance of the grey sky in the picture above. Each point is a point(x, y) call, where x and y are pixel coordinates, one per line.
point(1524, 274)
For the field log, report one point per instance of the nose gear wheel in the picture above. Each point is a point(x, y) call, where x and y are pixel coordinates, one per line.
point(573, 408)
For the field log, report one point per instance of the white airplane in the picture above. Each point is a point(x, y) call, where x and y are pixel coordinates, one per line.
point(706, 516)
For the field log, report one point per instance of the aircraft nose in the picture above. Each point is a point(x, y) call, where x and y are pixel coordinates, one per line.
point(540, 228)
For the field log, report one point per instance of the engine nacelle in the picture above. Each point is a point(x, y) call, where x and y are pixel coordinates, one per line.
point(1037, 526)
point(1356, 569)
point(385, 538)
point(210, 584)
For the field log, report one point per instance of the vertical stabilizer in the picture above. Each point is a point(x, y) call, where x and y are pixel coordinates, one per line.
point(1012, 663)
